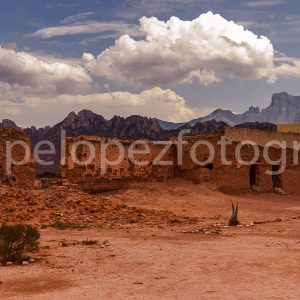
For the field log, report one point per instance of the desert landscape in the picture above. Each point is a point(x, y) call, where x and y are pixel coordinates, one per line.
point(149, 150)
point(151, 240)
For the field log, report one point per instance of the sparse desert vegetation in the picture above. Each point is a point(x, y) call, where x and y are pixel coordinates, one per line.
point(17, 239)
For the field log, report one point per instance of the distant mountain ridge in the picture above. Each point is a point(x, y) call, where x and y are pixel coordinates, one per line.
point(134, 127)
point(284, 108)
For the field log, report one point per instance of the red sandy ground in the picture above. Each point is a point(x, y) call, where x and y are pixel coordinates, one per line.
point(151, 252)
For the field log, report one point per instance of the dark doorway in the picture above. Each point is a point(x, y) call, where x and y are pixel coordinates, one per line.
point(209, 166)
point(276, 179)
point(253, 176)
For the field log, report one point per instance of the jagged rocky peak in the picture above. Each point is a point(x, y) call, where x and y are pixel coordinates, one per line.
point(284, 108)
point(254, 110)
point(86, 114)
point(84, 118)
point(72, 116)
point(6, 123)
point(70, 120)
point(87, 118)
point(284, 99)
point(208, 127)
point(278, 98)
point(140, 119)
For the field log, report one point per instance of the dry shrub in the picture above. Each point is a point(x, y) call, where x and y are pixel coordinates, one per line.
point(234, 216)
point(15, 240)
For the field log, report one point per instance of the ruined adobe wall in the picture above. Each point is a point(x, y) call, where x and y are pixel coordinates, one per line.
point(290, 180)
point(230, 178)
point(23, 175)
point(235, 177)
point(290, 177)
point(260, 137)
point(93, 175)
point(289, 128)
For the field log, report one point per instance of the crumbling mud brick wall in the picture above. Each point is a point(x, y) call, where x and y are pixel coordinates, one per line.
point(21, 175)
point(289, 128)
point(290, 180)
point(97, 175)
point(235, 177)
point(261, 137)
point(290, 177)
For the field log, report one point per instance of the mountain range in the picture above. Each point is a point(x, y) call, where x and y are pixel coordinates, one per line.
point(284, 108)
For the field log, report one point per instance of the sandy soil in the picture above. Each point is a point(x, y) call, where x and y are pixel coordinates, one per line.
point(185, 253)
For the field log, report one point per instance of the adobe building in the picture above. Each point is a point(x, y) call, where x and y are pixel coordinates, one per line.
point(91, 178)
point(21, 175)
point(239, 176)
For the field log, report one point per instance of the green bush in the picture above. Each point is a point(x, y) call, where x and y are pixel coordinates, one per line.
point(17, 239)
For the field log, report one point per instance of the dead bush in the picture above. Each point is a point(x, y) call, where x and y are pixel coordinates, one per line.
point(89, 242)
point(15, 240)
point(234, 216)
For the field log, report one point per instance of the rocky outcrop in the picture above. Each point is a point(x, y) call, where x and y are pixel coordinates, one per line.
point(260, 126)
point(89, 123)
point(284, 108)
point(8, 124)
point(208, 127)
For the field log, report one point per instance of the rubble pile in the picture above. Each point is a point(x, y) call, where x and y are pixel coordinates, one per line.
point(63, 207)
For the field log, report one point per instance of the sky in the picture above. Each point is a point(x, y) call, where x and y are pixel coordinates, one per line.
point(174, 60)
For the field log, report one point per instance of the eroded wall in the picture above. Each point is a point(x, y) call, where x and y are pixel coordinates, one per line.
point(21, 175)
point(229, 173)
point(226, 171)
point(106, 174)
point(262, 137)
point(289, 128)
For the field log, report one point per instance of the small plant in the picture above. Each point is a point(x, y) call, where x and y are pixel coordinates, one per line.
point(234, 216)
point(64, 226)
point(60, 225)
point(89, 242)
point(17, 239)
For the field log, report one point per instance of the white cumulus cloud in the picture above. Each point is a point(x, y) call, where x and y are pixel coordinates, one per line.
point(21, 69)
point(207, 48)
point(156, 102)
